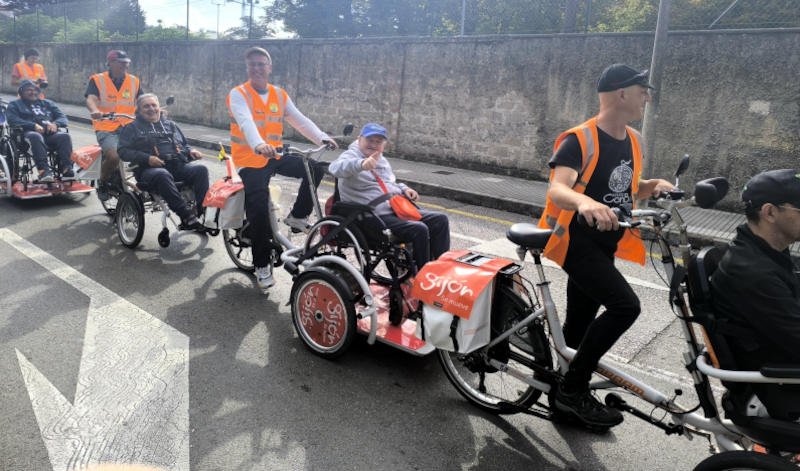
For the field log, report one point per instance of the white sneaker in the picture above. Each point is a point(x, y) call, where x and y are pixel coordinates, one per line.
point(297, 224)
point(264, 277)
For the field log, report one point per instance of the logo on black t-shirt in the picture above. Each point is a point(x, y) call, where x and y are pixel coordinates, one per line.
point(618, 183)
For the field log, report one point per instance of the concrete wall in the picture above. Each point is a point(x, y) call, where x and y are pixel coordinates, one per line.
point(731, 99)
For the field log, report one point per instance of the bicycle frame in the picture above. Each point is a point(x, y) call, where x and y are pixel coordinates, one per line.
point(726, 434)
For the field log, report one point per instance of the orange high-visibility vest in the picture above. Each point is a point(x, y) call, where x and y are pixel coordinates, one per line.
point(630, 247)
point(118, 101)
point(24, 71)
point(27, 72)
point(268, 118)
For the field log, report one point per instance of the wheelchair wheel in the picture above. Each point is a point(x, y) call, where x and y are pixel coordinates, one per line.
point(483, 385)
point(344, 245)
point(239, 248)
point(11, 161)
point(129, 220)
point(323, 311)
point(383, 269)
point(742, 460)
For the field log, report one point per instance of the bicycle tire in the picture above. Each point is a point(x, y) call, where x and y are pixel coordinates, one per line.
point(744, 460)
point(473, 378)
point(238, 249)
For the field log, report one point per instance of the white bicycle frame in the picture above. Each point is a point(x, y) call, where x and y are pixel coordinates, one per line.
point(726, 434)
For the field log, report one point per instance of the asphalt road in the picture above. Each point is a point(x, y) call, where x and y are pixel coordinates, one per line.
point(171, 355)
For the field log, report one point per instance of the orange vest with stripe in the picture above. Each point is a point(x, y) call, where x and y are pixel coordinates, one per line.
point(118, 101)
point(33, 73)
point(630, 247)
point(27, 72)
point(268, 118)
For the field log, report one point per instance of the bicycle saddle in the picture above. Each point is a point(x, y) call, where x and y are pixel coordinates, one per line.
point(528, 236)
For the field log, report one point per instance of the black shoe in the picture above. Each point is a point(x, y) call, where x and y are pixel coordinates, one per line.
point(102, 191)
point(68, 175)
point(192, 224)
point(586, 408)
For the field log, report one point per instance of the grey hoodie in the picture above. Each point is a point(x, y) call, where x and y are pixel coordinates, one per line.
point(359, 186)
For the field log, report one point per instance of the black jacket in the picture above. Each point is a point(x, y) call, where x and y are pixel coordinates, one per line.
point(757, 287)
point(28, 115)
point(140, 139)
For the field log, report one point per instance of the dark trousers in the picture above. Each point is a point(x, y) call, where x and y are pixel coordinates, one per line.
point(256, 199)
point(162, 182)
point(430, 236)
point(60, 142)
point(594, 282)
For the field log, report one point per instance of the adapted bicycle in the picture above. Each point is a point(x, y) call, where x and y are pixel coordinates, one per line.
point(526, 352)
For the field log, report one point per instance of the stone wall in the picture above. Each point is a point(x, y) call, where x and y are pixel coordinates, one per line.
point(731, 99)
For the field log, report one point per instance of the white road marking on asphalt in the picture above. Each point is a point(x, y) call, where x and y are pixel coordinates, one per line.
point(132, 395)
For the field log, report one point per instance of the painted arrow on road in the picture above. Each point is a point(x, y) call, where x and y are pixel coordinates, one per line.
point(132, 396)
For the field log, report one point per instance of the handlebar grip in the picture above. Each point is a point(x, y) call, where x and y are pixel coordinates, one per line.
point(329, 146)
point(617, 211)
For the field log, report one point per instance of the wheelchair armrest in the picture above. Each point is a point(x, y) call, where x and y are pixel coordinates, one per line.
point(780, 371)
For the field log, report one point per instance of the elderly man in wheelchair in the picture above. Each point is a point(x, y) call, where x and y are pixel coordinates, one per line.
point(160, 156)
point(364, 175)
point(752, 311)
point(36, 122)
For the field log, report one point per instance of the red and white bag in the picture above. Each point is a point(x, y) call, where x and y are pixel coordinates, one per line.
point(456, 291)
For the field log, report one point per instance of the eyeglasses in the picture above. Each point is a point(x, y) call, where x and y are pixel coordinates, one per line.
point(257, 64)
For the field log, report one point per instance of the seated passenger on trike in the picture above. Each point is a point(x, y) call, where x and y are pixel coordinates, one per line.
point(38, 120)
point(364, 174)
point(160, 155)
point(756, 292)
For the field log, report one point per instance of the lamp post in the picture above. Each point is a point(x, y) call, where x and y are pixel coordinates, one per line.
point(250, 20)
point(218, 3)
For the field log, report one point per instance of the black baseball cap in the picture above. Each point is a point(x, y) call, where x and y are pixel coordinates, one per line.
point(773, 186)
point(619, 76)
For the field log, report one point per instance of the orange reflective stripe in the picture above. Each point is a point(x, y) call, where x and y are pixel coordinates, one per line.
point(268, 119)
point(630, 247)
point(113, 100)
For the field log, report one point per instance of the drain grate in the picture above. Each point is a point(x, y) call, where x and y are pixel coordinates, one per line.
point(444, 172)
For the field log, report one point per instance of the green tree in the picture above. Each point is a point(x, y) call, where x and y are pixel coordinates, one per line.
point(260, 28)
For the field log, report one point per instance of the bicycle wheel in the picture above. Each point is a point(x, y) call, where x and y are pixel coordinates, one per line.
point(744, 460)
point(343, 245)
point(238, 245)
point(129, 220)
point(483, 385)
point(323, 311)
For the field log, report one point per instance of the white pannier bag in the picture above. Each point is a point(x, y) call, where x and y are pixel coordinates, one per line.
point(456, 293)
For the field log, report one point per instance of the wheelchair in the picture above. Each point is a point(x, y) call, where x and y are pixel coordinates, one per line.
point(779, 439)
point(137, 199)
point(21, 176)
point(353, 281)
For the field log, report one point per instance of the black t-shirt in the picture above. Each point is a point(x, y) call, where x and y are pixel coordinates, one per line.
point(91, 89)
point(610, 183)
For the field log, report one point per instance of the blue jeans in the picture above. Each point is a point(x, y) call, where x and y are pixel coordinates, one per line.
point(59, 142)
point(162, 182)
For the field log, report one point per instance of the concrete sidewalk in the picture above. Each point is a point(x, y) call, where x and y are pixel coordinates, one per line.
point(525, 197)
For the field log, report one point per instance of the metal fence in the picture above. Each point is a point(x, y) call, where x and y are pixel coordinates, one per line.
point(43, 21)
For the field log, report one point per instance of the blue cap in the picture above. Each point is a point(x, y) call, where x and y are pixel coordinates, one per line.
point(25, 84)
point(373, 129)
